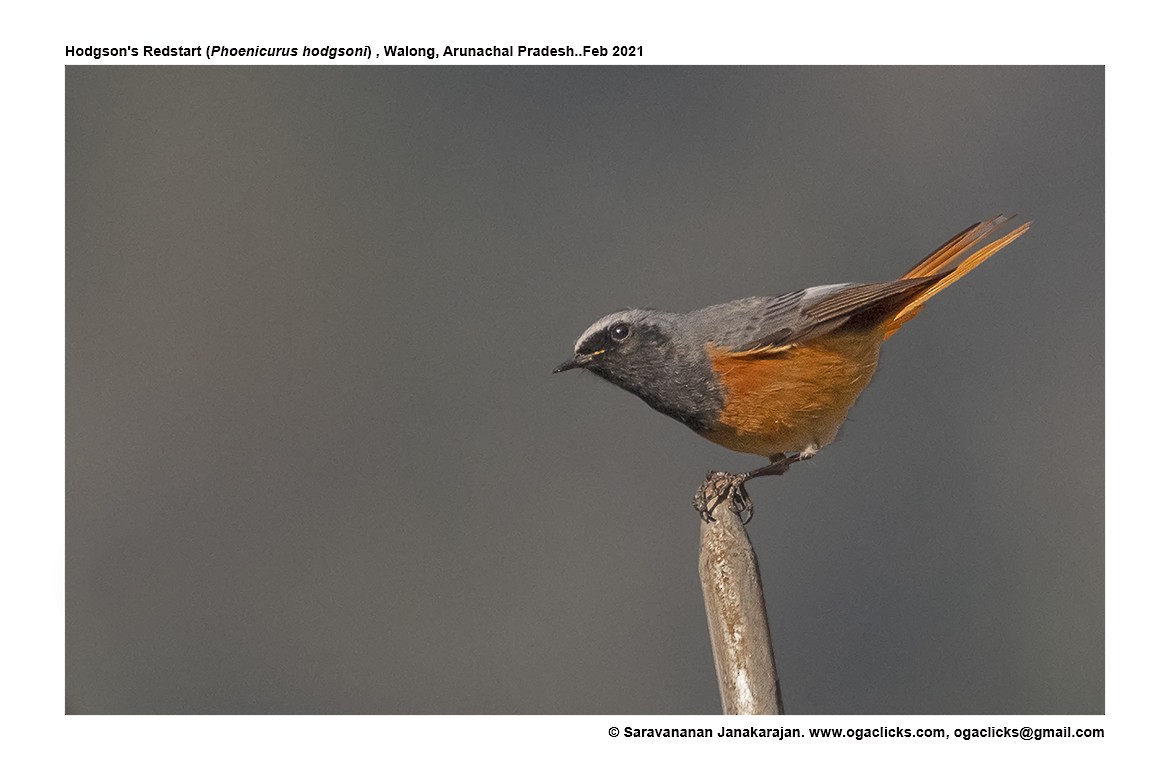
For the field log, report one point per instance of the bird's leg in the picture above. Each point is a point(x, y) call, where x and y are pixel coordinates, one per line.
point(721, 486)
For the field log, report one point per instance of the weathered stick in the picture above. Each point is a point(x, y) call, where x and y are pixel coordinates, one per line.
point(736, 617)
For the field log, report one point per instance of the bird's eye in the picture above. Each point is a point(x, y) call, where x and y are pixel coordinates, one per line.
point(619, 332)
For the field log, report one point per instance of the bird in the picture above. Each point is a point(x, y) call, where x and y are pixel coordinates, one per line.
point(772, 375)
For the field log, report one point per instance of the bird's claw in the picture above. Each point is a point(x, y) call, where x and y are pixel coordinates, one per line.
point(719, 487)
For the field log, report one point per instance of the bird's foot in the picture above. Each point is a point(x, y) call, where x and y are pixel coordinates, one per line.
point(722, 487)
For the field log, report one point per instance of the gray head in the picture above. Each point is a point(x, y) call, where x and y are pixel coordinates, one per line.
point(655, 356)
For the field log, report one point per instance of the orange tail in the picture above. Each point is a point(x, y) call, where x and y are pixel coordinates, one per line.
point(948, 259)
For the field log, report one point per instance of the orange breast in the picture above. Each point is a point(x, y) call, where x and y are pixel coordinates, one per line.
point(786, 399)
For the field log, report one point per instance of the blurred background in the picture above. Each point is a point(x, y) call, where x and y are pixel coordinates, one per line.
point(317, 461)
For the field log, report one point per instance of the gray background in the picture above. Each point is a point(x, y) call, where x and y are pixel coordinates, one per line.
point(317, 462)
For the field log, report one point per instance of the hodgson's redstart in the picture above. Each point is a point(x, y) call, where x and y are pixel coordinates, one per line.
point(772, 376)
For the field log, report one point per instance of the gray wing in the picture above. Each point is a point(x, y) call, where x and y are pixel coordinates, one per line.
point(806, 314)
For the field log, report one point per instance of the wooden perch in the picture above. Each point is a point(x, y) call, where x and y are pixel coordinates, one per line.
point(736, 617)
